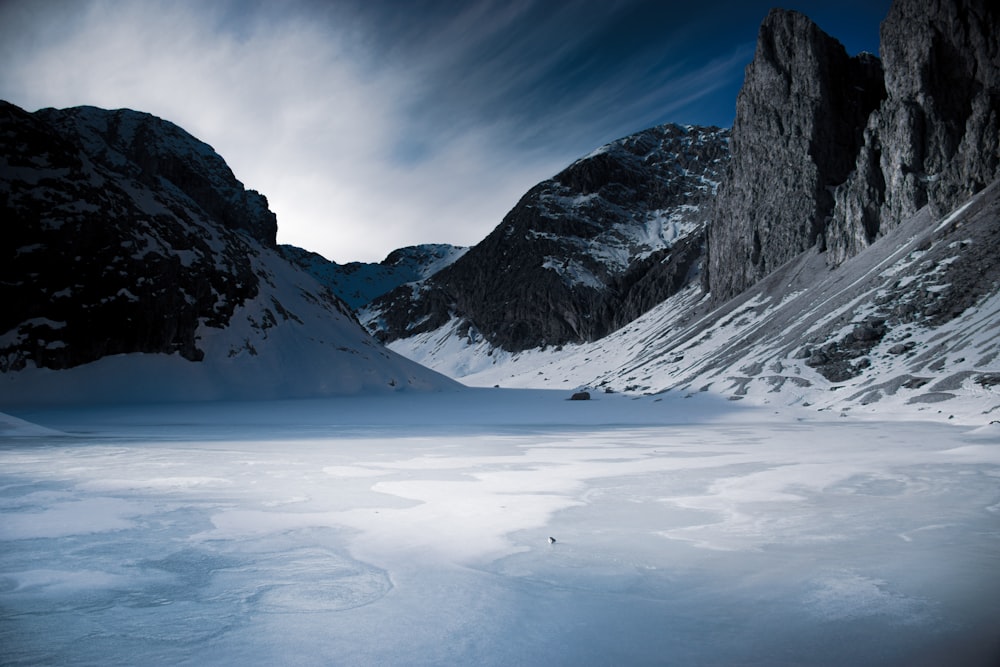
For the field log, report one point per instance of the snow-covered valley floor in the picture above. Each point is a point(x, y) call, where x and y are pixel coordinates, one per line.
point(413, 530)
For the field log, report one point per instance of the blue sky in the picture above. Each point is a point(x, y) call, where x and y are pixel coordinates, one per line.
point(374, 125)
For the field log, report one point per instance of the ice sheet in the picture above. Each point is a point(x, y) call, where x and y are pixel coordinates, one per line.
point(415, 531)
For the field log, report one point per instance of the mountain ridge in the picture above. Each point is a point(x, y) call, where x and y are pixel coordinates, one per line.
point(359, 283)
point(137, 267)
point(829, 162)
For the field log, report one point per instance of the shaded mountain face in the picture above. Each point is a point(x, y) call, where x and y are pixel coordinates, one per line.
point(124, 235)
point(359, 283)
point(582, 253)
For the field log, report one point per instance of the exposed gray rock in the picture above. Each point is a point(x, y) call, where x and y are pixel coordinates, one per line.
point(932, 397)
point(827, 152)
point(799, 126)
point(936, 137)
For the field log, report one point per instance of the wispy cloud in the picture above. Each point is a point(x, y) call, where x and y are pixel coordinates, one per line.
point(375, 125)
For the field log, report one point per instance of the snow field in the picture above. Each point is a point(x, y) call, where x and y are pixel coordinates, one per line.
point(412, 529)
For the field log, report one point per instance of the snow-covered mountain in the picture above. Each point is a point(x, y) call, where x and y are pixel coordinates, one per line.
point(580, 254)
point(136, 267)
point(852, 257)
point(359, 283)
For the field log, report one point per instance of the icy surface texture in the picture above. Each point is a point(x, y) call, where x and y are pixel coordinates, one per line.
point(414, 530)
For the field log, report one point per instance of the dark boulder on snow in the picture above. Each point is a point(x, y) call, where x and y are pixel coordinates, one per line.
point(580, 396)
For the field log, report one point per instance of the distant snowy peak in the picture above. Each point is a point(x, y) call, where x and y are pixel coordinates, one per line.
point(135, 266)
point(359, 283)
point(581, 253)
point(423, 261)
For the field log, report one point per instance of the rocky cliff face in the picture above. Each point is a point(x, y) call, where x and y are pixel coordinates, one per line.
point(799, 126)
point(935, 139)
point(832, 152)
point(582, 253)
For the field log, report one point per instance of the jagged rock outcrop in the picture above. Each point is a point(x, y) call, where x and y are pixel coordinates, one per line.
point(936, 137)
point(582, 253)
point(798, 130)
point(830, 151)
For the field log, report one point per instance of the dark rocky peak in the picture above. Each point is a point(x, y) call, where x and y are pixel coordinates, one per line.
point(28, 142)
point(936, 138)
point(103, 257)
point(160, 154)
point(626, 198)
point(616, 170)
point(581, 253)
point(799, 126)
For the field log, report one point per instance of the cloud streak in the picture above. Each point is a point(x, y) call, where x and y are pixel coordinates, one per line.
point(370, 126)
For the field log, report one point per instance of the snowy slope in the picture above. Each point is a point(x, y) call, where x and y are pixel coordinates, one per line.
point(291, 340)
point(911, 326)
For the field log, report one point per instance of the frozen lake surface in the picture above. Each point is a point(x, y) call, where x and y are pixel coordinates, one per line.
point(413, 530)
